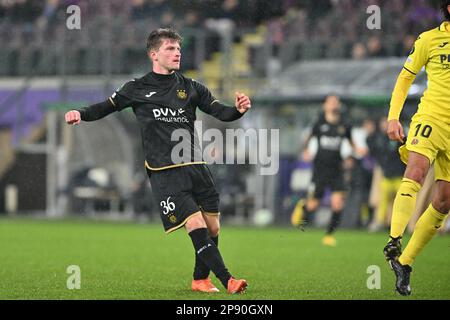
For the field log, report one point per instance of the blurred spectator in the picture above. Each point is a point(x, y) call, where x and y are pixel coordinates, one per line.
point(406, 45)
point(296, 24)
point(386, 155)
point(138, 9)
point(275, 34)
point(359, 51)
point(375, 47)
point(192, 19)
point(336, 27)
point(49, 14)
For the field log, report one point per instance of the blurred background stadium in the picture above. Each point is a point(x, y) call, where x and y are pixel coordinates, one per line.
point(286, 55)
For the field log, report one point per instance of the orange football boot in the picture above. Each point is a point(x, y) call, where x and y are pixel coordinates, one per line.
point(204, 285)
point(236, 286)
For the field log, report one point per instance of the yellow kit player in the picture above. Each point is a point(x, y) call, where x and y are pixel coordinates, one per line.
point(428, 141)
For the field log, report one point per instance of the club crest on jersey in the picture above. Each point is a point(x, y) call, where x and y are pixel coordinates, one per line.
point(415, 141)
point(182, 94)
point(172, 219)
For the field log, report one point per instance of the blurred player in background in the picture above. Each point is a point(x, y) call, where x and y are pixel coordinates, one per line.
point(164, 101)
point(385, 153)
point(330, 131)
point(427, 142)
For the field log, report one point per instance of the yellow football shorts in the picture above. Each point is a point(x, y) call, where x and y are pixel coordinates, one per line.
point(430, 138)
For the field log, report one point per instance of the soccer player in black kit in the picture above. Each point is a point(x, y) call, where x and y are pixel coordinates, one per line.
point(330, 131)
point(163, 101)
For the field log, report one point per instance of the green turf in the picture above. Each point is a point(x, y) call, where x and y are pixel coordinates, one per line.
point(138, 261)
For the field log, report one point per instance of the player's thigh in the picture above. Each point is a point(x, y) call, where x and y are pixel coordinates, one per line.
point(171, 190)
point(204, 190)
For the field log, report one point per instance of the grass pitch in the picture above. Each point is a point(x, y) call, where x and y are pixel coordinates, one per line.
point(138, 261)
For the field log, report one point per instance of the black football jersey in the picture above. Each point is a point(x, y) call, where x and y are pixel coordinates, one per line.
point(330, 138)
point(165, 107)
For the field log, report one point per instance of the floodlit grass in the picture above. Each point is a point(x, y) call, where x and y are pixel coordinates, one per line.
point(138, 261)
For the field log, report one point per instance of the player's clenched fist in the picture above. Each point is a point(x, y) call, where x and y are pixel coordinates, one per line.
point(73, 117)
point(242, 102)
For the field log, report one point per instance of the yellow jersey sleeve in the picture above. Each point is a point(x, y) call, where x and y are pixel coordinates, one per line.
point(418, 57)
point(404, 82)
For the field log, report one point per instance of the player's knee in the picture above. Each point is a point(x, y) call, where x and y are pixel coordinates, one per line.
point(195, 222)
point(337, 206)
point(441, 203)
point(214, 230)
point(337, 202)
point(416, 174)
point(441, 198)
point(417, 168)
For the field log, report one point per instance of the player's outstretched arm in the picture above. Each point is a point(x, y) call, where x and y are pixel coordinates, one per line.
point(227, 113)
point(418, 57)
point(91, 113)
point(404, 82)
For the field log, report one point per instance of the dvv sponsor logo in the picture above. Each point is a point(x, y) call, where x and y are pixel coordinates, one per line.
point(170, 115)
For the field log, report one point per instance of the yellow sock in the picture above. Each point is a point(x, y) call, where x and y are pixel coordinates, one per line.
point(425, 229)
point(404, 204)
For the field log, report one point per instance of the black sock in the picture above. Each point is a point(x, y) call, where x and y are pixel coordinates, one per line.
point(208, 253)
point(334, 222)
point(201, 270)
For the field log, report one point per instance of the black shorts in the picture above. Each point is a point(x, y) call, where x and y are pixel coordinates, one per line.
point(182, 191)
point(333, 180)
